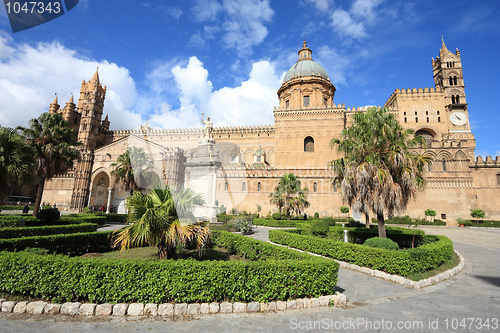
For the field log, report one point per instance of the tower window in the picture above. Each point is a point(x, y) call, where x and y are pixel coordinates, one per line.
point(439, 119)
point(426, 113)
point(405, 120)
point(287, 103)
point(306, 101)
point(325, 100)
point(315, 187)
point(225, 186)
point(498, 179)
point(416, 113)
point(416, 119)
point(259, 186)
point(444, 165)
point(244, 186)
point(308, 144)
point(428, 137)
point(455, 99)
point(404, 113)
point(427, 119)
point(438, 113)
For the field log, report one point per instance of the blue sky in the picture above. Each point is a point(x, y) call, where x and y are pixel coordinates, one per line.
point(169, 61)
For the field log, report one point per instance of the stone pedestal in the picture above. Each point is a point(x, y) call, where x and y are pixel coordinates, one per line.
point(201, 166)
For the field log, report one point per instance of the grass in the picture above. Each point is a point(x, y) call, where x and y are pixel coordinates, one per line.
point(443, 268)
point(151, 253)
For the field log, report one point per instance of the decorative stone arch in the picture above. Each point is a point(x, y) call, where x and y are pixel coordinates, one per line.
point(309, 144)
point(444, 158)
point(460, 156)
point(100, 189)
point(483, 180)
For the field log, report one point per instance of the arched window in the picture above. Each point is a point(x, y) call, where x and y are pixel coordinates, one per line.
point(225, 186)
point(416, 119)
point(428, 137)
point(406, 120)
point(439, 119)
point(306, 101)
point(315, 187)
point(444, 165)
point(244, 186)
point(427, 119)
point(259, 186)
point(308, 144)
point(498, 179)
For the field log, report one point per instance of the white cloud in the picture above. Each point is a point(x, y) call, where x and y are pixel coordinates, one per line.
point(242, 22)
point(173, 12)
point(335, 64)
point(321, 5)
point(344, 23)
point(250, 103)
point(353, 23)
point(31, 74)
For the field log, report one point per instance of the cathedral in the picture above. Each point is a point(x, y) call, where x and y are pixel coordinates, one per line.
point(239, 167)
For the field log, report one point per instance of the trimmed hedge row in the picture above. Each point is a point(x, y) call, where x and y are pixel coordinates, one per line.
point(10, 207)
point(482, 223)
point(69, 244)
point(31, 221)
point(112, 217)
point(60, 278)
point(6, 233)
point(437, 249)
point(407, 220)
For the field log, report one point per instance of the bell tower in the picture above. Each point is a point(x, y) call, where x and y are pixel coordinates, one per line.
point(449, 78)
point(90, 106)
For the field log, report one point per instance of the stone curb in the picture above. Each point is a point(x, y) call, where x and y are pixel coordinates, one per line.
point(396, 278)
point(167, 309)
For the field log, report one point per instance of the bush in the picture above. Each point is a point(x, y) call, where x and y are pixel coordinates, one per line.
point(69, 244)
point(112, 217)
point(316, 215)
point(48, 215)
point(430, 212)
point(320, 228)
point(108, 280)
point(241, 224)
point(344, 210)
point(435, 251)
point(6, 233)
point(477, 213)
point(277, 216)
point(381, 243)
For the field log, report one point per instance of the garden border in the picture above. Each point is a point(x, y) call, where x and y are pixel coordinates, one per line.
point(167, 309)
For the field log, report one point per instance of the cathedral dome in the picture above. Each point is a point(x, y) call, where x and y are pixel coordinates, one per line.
point(305, 66)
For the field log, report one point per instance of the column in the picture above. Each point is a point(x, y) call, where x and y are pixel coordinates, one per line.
point(110, 192)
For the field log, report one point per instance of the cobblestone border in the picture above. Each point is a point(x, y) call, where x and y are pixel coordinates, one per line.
point(166, 309)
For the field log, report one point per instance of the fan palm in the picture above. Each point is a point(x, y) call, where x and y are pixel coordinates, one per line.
point(53, 144)
point(163, 219)
point(288, 195)
point(16, 159)
point(133, 169)
point(379, 171)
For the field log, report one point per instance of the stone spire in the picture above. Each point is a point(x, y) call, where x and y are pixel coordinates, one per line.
point(54, 107)
point(95, 78)
point(444, 49)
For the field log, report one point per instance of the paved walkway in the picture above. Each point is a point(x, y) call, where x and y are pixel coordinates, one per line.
point(474, 293)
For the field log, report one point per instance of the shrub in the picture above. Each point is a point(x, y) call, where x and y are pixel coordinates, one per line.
point(277, 216)
point(316, 215)
point(430, 212)
point(320, 228)
point(477, 213)
point(113, 217)
point(435, 251)
point(241, 224)
point(108, 280)
point(6, 233)
point(48, 215)
point(344, 210)
point(381, 243)
point(69, 244)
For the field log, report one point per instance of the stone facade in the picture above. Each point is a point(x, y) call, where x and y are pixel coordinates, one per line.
point(251, 159)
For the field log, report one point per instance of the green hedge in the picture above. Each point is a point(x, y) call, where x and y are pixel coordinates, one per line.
point(407, 220)
point(437, 249)
point(112, 217)
point(6, 233)
point(10, 207)
point(60, 278)
point(14, 220)
point(69, 244)
point(482, 223)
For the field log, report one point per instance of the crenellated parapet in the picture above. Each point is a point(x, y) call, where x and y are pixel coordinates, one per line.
point(488, 163)
point(309, 113)
point(264, 129)
point(410, 93)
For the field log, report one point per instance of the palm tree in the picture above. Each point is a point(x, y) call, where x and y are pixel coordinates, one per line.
point(132, 169)
point(163, 219)
point(16, 159)
point(288, 195)
point(379, 171)
point(54, 143)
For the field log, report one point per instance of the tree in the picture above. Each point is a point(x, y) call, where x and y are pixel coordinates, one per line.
point(288, 196)
point(16, 160)
point(163, 219)
point(379, 169)
point(54, 147)
point(133, 169)
point(477, 214)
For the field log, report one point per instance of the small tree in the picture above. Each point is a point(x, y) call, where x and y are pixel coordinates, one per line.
point(477, 213)
point(430, 214)
point(288, 196)
point(344, 210)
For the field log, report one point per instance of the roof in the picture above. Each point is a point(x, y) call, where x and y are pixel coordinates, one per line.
point(305, 68)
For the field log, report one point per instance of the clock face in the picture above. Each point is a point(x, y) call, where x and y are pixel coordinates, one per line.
point(458, 118)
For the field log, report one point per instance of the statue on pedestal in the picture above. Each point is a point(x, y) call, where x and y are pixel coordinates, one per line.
point(207, 130)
